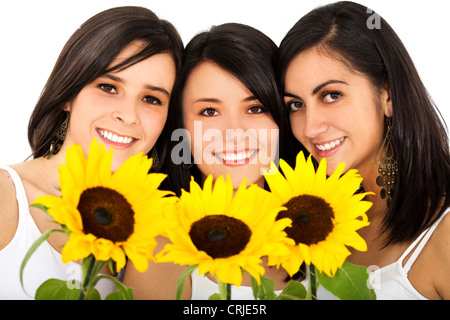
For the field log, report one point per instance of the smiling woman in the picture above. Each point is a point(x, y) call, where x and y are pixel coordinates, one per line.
point(126, 108)
point(237, 130)
point(226, 101)
point(355, 97)
point(112, 89)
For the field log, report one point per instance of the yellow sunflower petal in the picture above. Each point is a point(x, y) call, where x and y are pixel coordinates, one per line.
point(78, 246)
point(315, 198)
point(91, 200)
point(248, 217)
point(61, 211)
point(72, 173)
point(278, 184)
point(140, 259)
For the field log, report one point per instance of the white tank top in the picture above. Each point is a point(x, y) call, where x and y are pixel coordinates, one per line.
point(44, 264)
point(390, 282)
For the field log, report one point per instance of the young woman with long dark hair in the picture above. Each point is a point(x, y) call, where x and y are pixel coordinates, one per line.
point(112, 82)
point(354, 96)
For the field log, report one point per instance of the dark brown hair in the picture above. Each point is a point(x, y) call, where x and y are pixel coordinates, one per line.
point(88, 54)
point(419, 133)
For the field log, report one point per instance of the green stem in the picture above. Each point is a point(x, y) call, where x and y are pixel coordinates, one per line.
point(224, 290)
point(312, 292)
point(87, 273)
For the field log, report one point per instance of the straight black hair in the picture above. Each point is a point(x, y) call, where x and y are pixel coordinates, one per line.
point(348, 31)
point(88, 54)
point(247, 54)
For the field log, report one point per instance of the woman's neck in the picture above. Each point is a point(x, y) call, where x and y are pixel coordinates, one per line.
point(48, 169)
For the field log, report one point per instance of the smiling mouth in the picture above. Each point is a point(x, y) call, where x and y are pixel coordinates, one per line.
point(115, 138)
point(330, 145)
point(235, 157)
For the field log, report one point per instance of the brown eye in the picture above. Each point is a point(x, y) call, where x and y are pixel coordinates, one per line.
point(107, 88)
point(294, 105)
point(256, 110)
point(332, 96)
point(209, 112)
point(152, 100)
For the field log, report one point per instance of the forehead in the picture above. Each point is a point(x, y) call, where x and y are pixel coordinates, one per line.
point(315, 66)
point(211, 80)
point(129, 51)
point(315, 62)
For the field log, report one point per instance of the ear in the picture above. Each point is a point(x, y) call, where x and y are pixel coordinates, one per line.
point(68, 106)
point(386, 101)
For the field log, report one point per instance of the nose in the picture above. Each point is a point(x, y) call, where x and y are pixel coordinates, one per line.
point(315, 122)
point(126, 113)
point(234, 129)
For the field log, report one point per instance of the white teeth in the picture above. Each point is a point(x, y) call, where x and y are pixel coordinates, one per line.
point(330, 145)
point(114, 137)
point(236, 156)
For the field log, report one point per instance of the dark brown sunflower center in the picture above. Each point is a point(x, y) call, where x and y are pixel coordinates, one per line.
point(106, 214)
point(220, 236)
point(311, 219)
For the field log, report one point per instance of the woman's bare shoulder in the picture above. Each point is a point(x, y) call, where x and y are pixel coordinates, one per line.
point(440, 246)
point(9, 209)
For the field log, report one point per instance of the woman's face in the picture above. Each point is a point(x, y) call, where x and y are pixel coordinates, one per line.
point(126, 109)
point(230, 130)
point(335, 112)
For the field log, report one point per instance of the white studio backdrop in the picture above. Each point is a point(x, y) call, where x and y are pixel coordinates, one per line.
point(33, 33)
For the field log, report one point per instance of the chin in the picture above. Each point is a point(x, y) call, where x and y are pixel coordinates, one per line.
point(117, 162)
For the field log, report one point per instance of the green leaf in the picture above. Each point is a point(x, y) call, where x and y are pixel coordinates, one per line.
point(123, 292)
point(42, 207)
point(55, 289)
point(265, 290)
point(349, 283)
point(214, 296)
point(33, 248)
point(255, 288)
point(294, 290)
point(182, 279)
point(119, 295)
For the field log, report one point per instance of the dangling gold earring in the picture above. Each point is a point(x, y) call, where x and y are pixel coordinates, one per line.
point(59, 138)
point(387, 167)
point(155, 163)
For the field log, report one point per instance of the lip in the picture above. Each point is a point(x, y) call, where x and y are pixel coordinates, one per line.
point(236, 157)
point(327, 148)
point(115, 139)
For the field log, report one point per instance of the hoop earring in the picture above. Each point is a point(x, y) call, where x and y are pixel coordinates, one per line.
point(387, 167)
point(59, 138)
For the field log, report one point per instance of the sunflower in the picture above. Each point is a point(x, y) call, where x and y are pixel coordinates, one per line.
point(223, 233)
point(325, 213)
point(109, 215)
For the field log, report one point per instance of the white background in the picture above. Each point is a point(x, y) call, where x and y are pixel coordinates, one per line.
point(33, 33)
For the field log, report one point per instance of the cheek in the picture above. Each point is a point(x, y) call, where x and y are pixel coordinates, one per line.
point(154, 124)
point(268, 140)
point(297, 125)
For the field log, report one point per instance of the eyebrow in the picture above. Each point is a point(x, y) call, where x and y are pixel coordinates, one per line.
point(320, 86)
point(316, 89)
point(215, 100)
point(147, 86)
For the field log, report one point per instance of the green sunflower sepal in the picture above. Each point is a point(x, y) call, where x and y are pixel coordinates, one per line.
point(56, 289)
